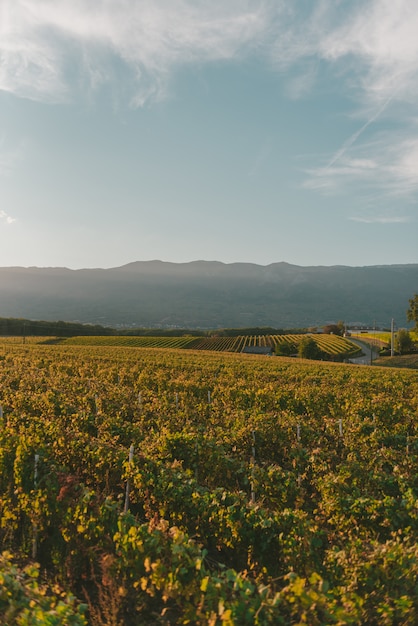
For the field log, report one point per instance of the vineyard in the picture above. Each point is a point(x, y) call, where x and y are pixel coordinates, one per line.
point(181, 487)
point(131, 342)
point(332, 346)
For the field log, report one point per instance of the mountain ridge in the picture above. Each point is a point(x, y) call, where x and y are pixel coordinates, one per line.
point(210, 294)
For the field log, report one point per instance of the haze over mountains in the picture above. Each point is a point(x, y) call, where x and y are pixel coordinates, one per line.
point(210, 294)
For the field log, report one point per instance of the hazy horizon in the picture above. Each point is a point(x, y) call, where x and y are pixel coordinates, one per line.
point(97, 267)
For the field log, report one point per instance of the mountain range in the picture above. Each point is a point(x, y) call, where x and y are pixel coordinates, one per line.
point(210, 294)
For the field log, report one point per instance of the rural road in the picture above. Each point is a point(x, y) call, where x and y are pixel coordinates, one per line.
point(369, 354)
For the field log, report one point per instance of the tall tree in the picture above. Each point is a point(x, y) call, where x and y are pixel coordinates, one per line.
point(403, 341)
point(309, 349)
point(412, 312)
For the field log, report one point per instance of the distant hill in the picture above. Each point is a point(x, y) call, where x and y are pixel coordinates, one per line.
point(206, 294)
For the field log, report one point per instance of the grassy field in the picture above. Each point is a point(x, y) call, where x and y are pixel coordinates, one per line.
point(380, 338)
point(406, 360)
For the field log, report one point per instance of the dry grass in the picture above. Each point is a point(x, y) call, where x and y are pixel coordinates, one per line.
point(407, 360)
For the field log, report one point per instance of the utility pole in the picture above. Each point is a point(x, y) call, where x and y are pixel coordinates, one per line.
point(392, 337)
point(373, 343)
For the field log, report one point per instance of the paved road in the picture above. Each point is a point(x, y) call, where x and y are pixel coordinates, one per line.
point(369, 355)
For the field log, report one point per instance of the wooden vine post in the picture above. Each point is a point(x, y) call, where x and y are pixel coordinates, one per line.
point(252, 468)
point(35, 526)
point(131, 458)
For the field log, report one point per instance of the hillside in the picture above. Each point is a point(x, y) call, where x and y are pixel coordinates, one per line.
point(205, 294)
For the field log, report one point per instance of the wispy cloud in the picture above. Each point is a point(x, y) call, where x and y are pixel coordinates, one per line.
point(44, 43)
point(373, 49)
point(382, 219)
point(53, 50)
point(388, 164)
point(6, 218)
point(355, 136)
point(373, 44)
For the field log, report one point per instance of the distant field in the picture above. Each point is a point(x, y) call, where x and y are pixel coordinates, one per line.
point(380, 338)
point(408, 360)
point(131, 342)
point(332, 345)
point(21, 340)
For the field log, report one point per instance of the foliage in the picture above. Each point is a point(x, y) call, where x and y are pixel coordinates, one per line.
point(285, 348)
point(134, 341)
point(412, 312)
point(403, 341)
point(309, 349)
point(261, 491)
point(24, 601)
point(334, 329)
point(330, 347)
point(10, 326)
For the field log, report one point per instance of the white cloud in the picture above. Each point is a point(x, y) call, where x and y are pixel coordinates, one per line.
point(388, 165)
point(373, 49)
point(52, 49)
point(373, 43)
point(7, 218)
point(382, 219)
point(404, 165)
point(44, 42)
point(382, 35)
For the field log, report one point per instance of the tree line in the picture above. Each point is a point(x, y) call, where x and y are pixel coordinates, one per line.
point(16, 327)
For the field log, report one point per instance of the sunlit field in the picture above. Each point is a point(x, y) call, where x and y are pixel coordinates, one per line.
point(179, 486)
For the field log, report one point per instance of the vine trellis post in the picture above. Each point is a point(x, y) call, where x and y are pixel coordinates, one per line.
point(131, 458)
point(252, 469)
point(196, 469)
point(35, 526)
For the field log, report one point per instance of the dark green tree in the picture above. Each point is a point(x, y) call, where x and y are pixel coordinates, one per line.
point(403, 341)
point(334, 329)
point(284, 348)
point(308, 348)
point(412, 312)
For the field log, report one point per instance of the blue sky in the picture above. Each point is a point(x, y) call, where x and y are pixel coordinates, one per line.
point(231, 130)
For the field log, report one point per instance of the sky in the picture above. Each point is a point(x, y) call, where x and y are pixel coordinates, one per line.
point(251, 131)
